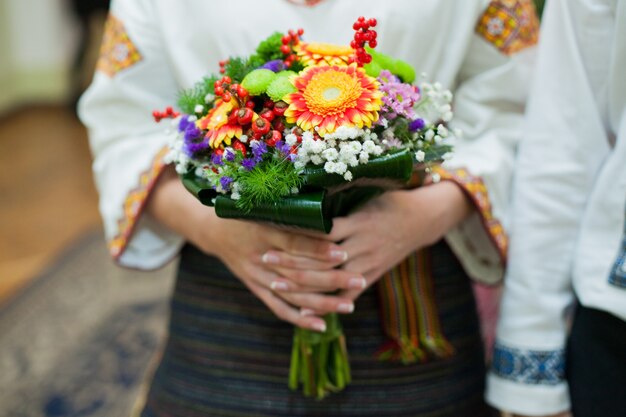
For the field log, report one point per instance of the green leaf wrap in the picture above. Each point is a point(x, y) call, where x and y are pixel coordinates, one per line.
point(323, 197)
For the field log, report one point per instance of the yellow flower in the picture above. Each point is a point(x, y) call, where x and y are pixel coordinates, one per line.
point(216, 124)
point(311, 54)
point(332, 96)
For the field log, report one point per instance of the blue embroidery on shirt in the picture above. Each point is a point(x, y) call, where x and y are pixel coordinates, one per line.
point(529, 366)
point(618, 274)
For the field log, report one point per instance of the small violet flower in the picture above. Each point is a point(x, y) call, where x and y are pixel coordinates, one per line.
point(283, 147)
point(217, 159)
point(226, 182)
point(248, 164)
point(229, 155)
point(275, 66)
point(417, 125)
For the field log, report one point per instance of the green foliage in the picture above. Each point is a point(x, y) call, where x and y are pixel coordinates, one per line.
point(269, 49)
point(401, 130)
point(267, 183)
point(237, 68)
point(189, 99)
point(297, 66)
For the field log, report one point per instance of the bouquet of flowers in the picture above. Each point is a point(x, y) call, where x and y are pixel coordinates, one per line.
point(299, 133)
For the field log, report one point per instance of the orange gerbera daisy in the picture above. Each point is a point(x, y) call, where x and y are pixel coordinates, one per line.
point(332, 96)
point(217, 126)
point(311, 54)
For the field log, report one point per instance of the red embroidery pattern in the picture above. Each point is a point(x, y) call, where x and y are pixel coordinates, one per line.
point(135, 203)
point(117, 51)
point(510, 25)
point(476, 190)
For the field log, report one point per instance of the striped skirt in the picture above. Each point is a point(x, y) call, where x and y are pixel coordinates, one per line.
point(228, 355)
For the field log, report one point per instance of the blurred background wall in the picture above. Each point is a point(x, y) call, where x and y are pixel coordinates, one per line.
point(38, 40)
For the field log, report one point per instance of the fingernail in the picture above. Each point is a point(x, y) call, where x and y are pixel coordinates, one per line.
point(279, 286)
point(307, 312)
point(270, 258)
point(339, 255)
point(357, 283)
point(320, 327)
point(345, 308)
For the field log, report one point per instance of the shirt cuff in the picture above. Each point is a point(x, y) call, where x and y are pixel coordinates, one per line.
point(528, 382)
point(480, 242)
point(139, 241)
point(529, 400)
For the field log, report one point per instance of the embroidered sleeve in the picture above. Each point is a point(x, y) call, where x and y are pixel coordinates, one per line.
point(476, 190)
point(117, 52)
point(529, 366)
point(509, 25)
point(135, 203)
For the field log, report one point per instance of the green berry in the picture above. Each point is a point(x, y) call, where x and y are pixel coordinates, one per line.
point(281, 86)
point(373, 69)
point(257, 81)
point(404, 70)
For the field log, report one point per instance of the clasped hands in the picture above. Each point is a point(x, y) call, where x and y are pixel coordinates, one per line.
point(302, 276)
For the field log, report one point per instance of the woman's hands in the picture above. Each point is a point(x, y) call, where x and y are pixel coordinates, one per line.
point(288, 271)
point(395, 224)
point(248, 248)
point(381, 234)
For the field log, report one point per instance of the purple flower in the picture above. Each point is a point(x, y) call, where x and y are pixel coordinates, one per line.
point(194, 142)
point(229, 155)
point(225, 182)
point(183, 123)
point(217, 159)
point(386, 77)
point(196, 146)
point(258, 150)
point(275, 66)
point(399, 98)
point(417, 124)
point(283, 147)
point(248, 164)
point(192, 132)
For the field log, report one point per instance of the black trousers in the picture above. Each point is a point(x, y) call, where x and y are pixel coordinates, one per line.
point(596, 364)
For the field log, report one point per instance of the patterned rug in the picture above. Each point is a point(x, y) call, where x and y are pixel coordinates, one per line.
point(79, 341)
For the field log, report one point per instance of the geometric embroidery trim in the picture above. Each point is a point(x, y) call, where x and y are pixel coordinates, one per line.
point(117, 51)
point(529, 366)
point(510, 25)
point(618, 273)
point(476, 190)
point(134, 204)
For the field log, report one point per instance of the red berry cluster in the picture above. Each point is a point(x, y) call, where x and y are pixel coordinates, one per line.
point(224, 89)
point(169, 113)
point(364, 36)
point(223, 66)
point(289, 41)
point(269, 125)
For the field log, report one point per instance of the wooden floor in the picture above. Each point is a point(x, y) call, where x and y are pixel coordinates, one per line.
point(47, 196)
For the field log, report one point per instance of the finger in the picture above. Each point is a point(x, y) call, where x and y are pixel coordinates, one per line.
point(304, 246)
point(344, 227)
point(372, 277)
point(287, 313)
point(287, 260)
point(319, 302)
point(322, 281)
